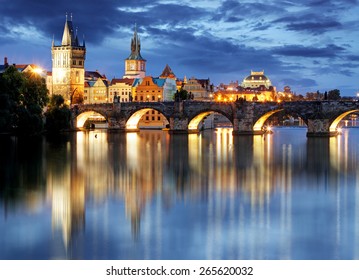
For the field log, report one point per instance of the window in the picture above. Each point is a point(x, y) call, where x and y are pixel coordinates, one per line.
point(74, 62)
point(147, 118)
point(159, 118)
point(153, 98)
point(141, 98)
point(80, 62)
point(153, 118)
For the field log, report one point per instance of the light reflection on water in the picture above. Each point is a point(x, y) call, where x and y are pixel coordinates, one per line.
point(153, 195)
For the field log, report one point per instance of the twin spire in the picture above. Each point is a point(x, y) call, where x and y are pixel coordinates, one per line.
point(69, 37)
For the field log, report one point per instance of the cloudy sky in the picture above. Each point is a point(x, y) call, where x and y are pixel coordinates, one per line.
point(309, 44)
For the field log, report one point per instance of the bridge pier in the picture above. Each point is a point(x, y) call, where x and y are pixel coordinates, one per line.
point(179, 125)
point(245, 127)
point(320, 128)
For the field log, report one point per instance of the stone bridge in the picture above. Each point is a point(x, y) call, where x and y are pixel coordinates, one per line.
point(322, 117)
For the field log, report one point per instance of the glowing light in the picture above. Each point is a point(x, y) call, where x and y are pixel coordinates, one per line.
point(193, 124)
point(259, 123)
point(81, 119)
point(333, 126)
point(37, 70)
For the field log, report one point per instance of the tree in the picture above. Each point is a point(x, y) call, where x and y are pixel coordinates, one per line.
point(23, 96)
point(181, 94)
point(334, 94)
point(58, 115)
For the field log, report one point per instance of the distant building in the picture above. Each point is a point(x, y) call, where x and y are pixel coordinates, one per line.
point(4, 66)
point(96, 88)
point(200, 88)
point(135, 64)
point(121, 90)
point(168, 73)
point(256, 80)
point(151, 89)
point(68, 66)
point(255, 87)
point(24, 68)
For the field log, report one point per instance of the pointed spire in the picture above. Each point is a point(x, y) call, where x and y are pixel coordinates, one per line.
point(83, 40)
point(76, 38)
point(53, 40)
point(135, 46)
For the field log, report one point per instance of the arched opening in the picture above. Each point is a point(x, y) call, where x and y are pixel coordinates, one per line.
point(208, 120)
point(278, 117)
point(260, 122)
point(333, 127)
point(147, 118)
point(91, 119)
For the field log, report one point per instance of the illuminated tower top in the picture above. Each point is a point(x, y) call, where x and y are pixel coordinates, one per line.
point(135, 47)
point(135, 64)
point(69, 37)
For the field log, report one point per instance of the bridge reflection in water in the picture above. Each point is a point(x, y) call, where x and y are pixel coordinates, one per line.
point(152, 195)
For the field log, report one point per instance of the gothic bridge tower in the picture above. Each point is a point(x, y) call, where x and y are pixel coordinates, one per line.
point(135, 65)
point(68, 65)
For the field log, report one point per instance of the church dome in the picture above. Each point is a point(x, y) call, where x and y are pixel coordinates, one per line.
point(255, 80)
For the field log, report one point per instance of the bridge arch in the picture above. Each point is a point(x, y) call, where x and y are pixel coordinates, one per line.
point(134, 119)
point(84, 116)
point(258, 125)
point(193, 124)
point(334, 125)
point(260, 122)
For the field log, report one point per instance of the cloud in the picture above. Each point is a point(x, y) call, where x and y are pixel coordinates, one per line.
point(309, 23)
point(329, 51)
point(299, 82)
point(220, 39)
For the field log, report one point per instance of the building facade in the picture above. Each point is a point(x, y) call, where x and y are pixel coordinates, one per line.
point(255, 87)
point(96, 88)
point(68, 66)
point(201, 89)
point(256, 80)
point(121, 90)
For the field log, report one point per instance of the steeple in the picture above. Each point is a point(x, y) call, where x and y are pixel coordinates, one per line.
point(68, 64)
point(135, 47)
point(68, 37)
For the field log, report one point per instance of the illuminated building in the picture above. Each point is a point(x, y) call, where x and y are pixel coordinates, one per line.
point(68, 62)
point(200, 88)
point(122, 89)
point(96, 88)
point(256, 80)
point(151, 89)
point(135, 65)
point(255, 87)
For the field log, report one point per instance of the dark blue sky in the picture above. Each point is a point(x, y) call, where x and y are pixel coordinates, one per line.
point(311, 45)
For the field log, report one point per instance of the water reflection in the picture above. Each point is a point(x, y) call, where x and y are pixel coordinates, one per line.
point(152, 195)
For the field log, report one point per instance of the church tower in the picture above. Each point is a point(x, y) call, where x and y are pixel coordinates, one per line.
point(135, 65)
point(68, 66)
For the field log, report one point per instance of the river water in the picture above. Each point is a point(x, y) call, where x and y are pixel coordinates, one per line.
point(153, 195)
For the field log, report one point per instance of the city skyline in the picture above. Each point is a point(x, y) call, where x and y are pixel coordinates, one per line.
point(309, 45)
